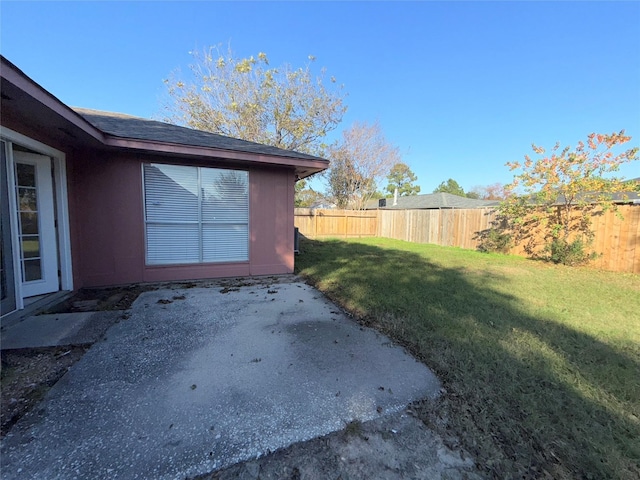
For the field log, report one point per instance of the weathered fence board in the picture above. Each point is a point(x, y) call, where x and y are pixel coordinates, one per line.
point(616, 240)
point(316, 223)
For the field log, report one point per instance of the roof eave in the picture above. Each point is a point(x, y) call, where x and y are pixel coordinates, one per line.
point(303, 167)
point(12, 74)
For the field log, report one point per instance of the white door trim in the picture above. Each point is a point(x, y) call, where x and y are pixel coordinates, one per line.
point(15, 245)
point(62, 204)
point(11, 260)
point(62, 215)
point(47, 238)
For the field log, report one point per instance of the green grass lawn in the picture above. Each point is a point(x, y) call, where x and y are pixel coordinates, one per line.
point(540, 363)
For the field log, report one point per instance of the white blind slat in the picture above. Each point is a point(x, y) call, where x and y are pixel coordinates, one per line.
point(176, 197)
point(167, 244)
point(171, 193)
point(225, 243)
point(225, 196)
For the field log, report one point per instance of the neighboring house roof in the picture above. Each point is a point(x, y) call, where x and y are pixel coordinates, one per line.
point(322, 205)
point(592, 197)
point(616, 197)
point(26, 101)
point(431, 201)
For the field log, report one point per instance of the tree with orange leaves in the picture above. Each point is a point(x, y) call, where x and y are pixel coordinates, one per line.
point(558, 194)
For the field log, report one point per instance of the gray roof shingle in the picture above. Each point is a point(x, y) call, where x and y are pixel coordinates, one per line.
point(127, 126)
point(448, 200)
point(432, 200)
point(616, 197)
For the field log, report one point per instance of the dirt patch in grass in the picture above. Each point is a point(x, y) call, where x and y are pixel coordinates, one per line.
point(393, 447)
point(27, 375)
point(122, 297)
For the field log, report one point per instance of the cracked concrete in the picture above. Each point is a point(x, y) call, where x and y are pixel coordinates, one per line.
point(197, 380)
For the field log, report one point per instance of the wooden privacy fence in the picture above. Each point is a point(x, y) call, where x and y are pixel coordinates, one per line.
point(316, 223)
point(450, 227)
point(617, 240)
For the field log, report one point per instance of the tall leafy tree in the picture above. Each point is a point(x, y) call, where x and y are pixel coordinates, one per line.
point(286, 107)
point(560, 191)
point(359, 161)
point(450, 186)
point(402, 178)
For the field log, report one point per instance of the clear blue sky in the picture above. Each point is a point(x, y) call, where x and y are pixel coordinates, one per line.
point(460, 87)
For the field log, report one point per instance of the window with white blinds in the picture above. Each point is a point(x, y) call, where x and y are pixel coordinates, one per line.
point(196, 214)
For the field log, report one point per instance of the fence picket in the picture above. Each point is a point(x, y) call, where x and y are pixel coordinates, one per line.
point(617, 240)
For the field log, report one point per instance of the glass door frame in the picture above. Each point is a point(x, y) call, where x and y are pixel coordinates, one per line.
point(58, 158)
point(40, 233)
point(8, 302)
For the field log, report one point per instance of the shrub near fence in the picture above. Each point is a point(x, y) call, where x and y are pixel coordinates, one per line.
point(618, 241)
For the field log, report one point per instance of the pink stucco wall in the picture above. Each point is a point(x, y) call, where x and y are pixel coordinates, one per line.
point(108, 207)
point(271, 220)
point(105, 202)
point(107, 222)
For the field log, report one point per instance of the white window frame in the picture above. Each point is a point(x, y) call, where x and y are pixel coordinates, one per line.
point(200, 222)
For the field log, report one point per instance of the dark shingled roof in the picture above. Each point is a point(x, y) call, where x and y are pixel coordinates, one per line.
point(127, 126)
point(448, 200)
point(432, 200)
point(616, 197)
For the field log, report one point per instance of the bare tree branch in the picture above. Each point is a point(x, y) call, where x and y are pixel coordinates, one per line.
point(358, 163)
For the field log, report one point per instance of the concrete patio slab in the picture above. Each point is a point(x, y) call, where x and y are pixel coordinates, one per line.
point(43, 330)
point(197, 379)
point(57, 329)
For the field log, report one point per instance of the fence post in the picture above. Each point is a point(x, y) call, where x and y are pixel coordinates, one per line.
point(346, 223)
point(616, 239)
point(315, 223)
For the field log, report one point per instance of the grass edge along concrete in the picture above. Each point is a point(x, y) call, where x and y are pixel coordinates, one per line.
point(540, 362)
